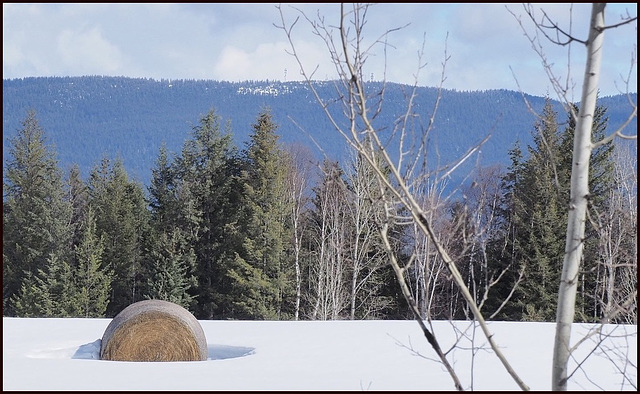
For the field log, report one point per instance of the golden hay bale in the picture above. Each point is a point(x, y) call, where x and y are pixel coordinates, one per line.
point(154, 330)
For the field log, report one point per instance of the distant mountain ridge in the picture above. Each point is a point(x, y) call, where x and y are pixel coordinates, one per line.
point(88, 118)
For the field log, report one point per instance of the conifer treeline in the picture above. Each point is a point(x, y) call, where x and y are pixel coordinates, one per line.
point(266, 233)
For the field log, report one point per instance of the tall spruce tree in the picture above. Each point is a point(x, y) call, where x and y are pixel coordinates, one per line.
point(204, 174)
point(505, 253)
point(601, 180)
point(162, 189)
point(170, 260)
point(262, 272)
point(536, 194)
point(122, 221)
point(537, 197)
point(172, 202)
point(36, 216)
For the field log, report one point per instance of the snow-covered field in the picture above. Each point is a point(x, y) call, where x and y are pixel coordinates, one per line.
point(62, 354)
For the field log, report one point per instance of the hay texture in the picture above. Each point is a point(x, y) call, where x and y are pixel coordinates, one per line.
point(154, 330)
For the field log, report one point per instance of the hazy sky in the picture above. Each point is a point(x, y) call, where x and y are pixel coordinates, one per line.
point(235, 42)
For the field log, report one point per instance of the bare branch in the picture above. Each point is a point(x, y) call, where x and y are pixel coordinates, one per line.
point(363, 137)
point(622, 23)
point(545, 24)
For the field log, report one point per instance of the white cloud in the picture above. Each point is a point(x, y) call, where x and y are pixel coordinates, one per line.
point(233, 63)
point(271, 61)
point(239, 42)
point(12, 55)
point(87, 51)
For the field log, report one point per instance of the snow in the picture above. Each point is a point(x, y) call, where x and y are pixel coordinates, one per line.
point(63, 354)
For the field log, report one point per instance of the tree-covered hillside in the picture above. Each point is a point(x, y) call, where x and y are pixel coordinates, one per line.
point(88, 118)
point(260, 232)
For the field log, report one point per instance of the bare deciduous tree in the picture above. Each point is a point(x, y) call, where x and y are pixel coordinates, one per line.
point(349, 52)
point(428, 275)
point(299, 178)
point(329, 294)
point(366, 258)
point(617, 235)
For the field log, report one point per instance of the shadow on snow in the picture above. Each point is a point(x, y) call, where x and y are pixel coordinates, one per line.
point(91, 351)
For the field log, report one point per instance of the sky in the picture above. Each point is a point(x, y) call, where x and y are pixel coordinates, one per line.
point(485, 46)
point(63, 354)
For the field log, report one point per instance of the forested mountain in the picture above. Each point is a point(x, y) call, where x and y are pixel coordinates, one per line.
point(89, 118)
point(193, 192)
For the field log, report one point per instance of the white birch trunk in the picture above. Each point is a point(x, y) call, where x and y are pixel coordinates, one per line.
point(578, 201)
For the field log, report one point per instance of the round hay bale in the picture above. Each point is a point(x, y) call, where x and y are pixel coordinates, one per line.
point(154, 330)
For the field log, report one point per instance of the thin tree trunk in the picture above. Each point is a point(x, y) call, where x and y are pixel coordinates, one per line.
point(579, 201)
point(297, 266)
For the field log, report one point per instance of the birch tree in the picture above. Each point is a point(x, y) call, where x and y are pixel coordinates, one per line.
point(578, 201)
point(329, 292)
point(618, 242)
point(583, 147)
point(299, 177)
point(366, 256)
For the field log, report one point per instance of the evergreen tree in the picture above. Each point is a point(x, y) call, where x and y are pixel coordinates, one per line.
point(262, 271)
point(543, 197)
point(51, 292)
point(162, 191)
point(122, 221)
point(172, 203)
point(534, 220)
point(78, 197)
point(93, 279)
point(169, 272)
point(531, 240)
point(32, 299)
point(170, 259)
point(504, 249)
point(601, 165)
point(36, 216)
point(601, 180)
point(204, 176)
